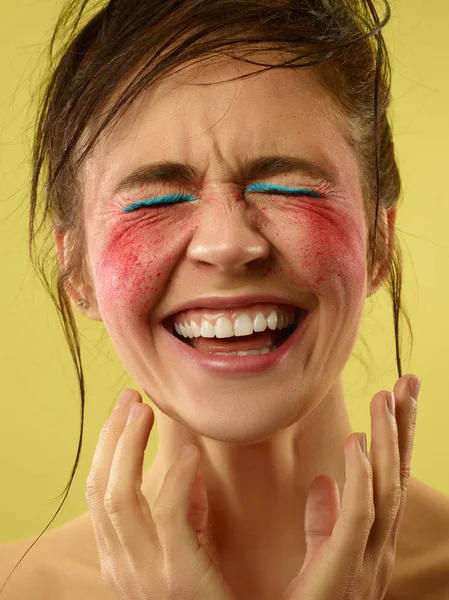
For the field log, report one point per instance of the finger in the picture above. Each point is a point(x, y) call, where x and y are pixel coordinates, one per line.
point(406, 418)
point(199, 505)
point(406, 413)
point(177, 537)
point(125, 504)
point(385, 461)
point(321, 513)
point(98, 477)
point(352, 528)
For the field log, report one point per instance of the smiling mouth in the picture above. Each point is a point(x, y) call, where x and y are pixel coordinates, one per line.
point(261, 342)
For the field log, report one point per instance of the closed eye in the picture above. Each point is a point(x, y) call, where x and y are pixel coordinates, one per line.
point(171, 199)
point(268, 187)
point(257, 187)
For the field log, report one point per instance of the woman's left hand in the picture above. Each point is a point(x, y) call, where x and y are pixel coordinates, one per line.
point(351, 551)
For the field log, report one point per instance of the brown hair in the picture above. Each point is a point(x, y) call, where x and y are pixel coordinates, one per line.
point(141, 41)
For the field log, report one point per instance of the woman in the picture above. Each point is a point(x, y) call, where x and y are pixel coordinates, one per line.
point(226, 221)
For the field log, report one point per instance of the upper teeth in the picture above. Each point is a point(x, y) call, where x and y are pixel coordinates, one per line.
point(243, 325)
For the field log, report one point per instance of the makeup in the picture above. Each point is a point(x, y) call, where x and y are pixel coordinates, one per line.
point(228, 232)
point(258, 187)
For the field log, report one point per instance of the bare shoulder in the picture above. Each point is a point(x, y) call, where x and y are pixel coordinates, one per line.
point(422, 554)
point(64, 563)
point(26, 578)
point(56, 568)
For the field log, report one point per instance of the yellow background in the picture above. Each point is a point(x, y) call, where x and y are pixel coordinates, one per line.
point(40, 412)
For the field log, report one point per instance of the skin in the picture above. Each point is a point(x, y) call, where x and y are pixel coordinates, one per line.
point(263, 437)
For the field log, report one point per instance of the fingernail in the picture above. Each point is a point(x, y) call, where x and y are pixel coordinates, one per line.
point(362, 442)
point(124, 398)
point(391, 403)
point(414, 387)
point(134, 412)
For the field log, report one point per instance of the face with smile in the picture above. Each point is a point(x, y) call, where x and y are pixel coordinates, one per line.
point(266, 425)
point(307, 250)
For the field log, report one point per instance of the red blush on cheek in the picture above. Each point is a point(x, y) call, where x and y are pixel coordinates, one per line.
point(130, 274)
point(326, 248)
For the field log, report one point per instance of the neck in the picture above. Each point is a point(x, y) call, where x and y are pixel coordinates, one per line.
point(257, 492)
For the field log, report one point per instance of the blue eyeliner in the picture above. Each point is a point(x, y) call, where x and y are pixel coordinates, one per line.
point(160, 200)
point(257, 187)
point(267, 187)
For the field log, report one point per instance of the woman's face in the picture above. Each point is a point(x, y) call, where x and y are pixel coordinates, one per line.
point(306, 250)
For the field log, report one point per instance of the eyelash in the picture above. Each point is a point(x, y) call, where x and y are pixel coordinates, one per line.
point(260, 187)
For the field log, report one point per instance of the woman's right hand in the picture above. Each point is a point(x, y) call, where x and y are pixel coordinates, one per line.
point(144, 554)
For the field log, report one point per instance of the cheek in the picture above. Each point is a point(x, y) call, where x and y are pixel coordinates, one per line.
point(326, 248)
point(133, 269)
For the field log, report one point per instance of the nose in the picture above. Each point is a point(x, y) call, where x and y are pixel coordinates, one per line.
point(226, 239)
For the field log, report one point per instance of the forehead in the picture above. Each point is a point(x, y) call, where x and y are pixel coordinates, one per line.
point(282, 110)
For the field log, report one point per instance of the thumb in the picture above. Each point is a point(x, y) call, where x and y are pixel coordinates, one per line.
point(199, 505)
point(181, 507)
point(321, 514)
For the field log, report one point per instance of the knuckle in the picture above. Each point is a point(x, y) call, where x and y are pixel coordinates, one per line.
point(110, 580)
point(391, 496)
point(361, 516)
point(162, 513)
point(92, 487)
point(111, 573)
point(107, 576)
point(369, 511)
point(369, 518)
point(404, 471)
point(389, 558)
point(113, 503)
point(395, 494)
point(107, 570)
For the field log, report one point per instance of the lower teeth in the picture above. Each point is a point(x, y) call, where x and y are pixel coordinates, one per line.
point(246, 352)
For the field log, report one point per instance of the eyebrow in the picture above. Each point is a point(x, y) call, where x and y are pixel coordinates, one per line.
point(176, 172)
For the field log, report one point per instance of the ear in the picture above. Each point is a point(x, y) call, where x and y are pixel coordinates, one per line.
point(75, 292)
point(381, 269)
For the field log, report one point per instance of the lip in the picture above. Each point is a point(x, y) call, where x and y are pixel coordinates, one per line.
point(233, 302)
point(235, 365)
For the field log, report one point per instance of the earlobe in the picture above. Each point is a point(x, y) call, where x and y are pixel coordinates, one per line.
point(89, 308)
